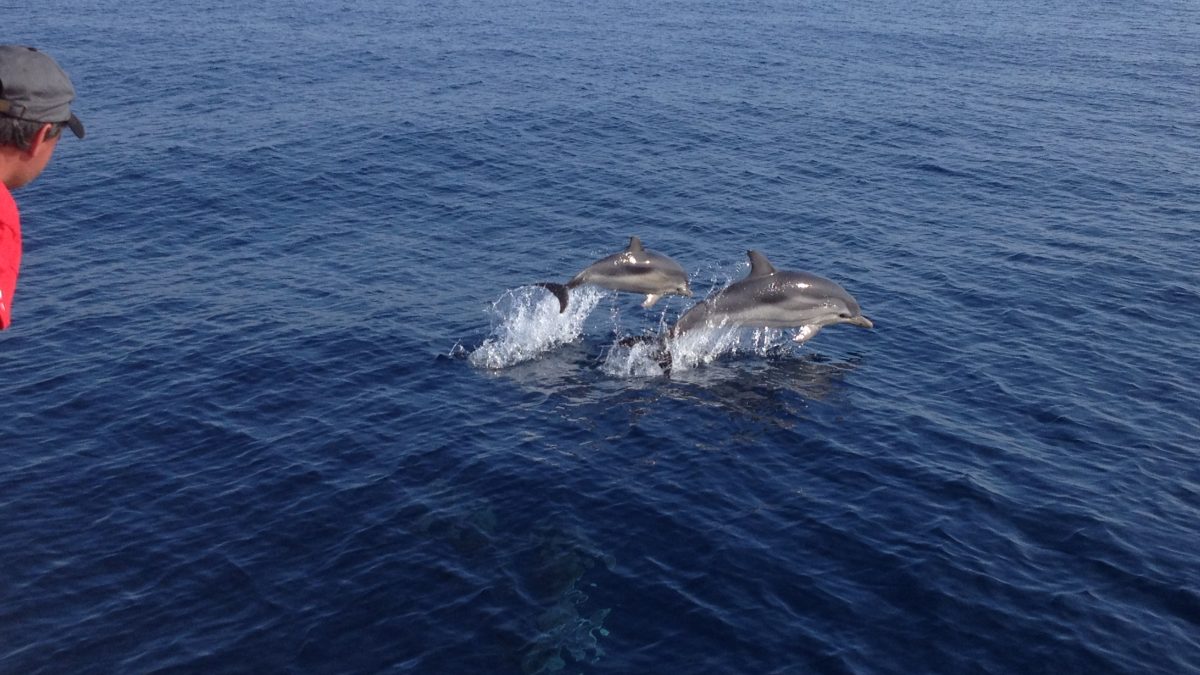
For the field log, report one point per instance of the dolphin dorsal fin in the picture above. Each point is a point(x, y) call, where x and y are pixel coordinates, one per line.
point(759, 265)
point(635, 245)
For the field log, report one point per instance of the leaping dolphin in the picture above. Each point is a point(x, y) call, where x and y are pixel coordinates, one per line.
point(635, 270)
point(770, 298)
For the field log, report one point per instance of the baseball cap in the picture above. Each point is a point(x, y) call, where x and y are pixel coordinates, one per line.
point(35, 89)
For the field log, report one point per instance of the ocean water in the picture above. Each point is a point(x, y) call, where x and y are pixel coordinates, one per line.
point(278, 397)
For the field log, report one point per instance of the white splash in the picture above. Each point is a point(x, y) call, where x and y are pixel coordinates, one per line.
point(703, 346)
point(526, 322)
point(640, 360)
point(694, 349)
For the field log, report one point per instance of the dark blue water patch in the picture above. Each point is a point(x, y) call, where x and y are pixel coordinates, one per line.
point(246, 432)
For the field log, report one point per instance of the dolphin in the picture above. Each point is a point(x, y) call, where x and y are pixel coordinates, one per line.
point(771, 298)
point(636, 270)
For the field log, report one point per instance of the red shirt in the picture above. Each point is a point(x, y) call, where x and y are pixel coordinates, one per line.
point(10, 253)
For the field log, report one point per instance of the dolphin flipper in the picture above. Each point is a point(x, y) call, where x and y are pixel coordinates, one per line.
point(806, 333)
point(559, 291)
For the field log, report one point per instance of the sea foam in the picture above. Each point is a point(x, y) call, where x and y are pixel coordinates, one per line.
point(526, 323)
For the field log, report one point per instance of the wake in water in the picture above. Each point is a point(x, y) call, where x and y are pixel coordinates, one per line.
point(526, 322)
point(651, 356)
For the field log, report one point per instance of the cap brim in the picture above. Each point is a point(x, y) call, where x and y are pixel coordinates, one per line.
point(75, 125)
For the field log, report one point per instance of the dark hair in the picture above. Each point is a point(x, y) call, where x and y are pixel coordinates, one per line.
point(19, 133)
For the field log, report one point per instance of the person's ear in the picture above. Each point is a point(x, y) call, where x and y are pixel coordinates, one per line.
point(38, 139)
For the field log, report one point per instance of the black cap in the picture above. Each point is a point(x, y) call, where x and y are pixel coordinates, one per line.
point(34, 88)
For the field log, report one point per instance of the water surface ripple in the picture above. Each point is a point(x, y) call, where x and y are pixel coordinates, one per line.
point(280, 399)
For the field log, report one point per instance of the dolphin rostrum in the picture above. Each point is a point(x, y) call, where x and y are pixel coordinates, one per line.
point(770, 298)
point(636, 270)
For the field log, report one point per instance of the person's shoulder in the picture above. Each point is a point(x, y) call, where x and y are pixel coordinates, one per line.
point(8, 206)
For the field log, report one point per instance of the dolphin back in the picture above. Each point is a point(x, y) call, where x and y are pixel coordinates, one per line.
point(634, 270)
point(773, 298)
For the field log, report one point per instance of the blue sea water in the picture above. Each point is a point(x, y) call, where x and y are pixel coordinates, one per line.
point(278, 398)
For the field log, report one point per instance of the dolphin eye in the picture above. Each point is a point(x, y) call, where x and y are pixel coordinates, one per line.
point(843, 315)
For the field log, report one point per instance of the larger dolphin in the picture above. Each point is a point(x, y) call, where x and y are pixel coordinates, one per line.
point(635, 270)
point(770, 298)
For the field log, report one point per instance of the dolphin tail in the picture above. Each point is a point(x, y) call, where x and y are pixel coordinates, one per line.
point(559, 291)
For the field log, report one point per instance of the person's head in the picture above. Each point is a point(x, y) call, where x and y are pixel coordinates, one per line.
point(35, 105)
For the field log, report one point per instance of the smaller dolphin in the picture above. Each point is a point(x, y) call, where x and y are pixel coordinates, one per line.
point(773, 299)
point(635, 270)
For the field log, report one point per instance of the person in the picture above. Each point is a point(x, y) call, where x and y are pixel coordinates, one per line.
point(35, 105)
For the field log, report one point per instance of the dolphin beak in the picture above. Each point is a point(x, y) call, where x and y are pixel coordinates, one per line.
point(862, 321)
